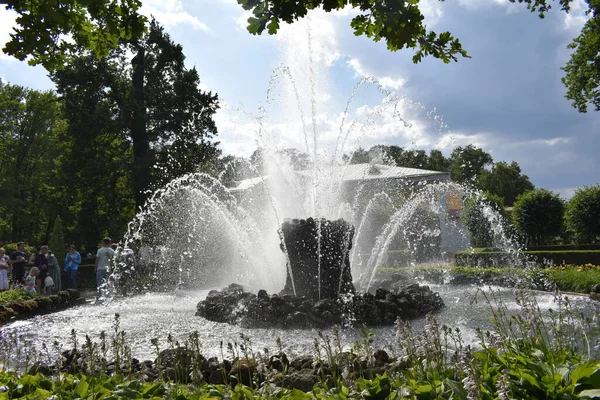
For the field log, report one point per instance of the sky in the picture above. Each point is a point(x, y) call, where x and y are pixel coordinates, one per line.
point(316, 81)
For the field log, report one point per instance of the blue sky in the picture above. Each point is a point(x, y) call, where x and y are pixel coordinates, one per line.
point(507, 99)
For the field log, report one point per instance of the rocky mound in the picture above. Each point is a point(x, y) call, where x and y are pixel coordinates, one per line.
point(235, 306)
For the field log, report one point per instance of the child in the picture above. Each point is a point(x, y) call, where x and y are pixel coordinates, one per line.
point(3, 271)
point(30, 280)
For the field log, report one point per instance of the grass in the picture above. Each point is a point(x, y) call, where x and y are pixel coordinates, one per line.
point(525, 356)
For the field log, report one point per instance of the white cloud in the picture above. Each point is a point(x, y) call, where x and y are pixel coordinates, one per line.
point(171, 13)
point(565, 192)
point(576, 18)
point(242, 20)
point(7, 23)
point(386, 82)
point(432, 11)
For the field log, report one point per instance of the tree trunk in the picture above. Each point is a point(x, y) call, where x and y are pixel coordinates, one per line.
point(142, 159)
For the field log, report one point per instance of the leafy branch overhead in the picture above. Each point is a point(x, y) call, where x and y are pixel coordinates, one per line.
point(48, 31)
point(399, 23)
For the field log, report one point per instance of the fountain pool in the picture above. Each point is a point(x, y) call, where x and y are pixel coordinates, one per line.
point(156, 315)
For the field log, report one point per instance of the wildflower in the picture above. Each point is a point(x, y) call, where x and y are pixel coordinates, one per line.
point(503, 386)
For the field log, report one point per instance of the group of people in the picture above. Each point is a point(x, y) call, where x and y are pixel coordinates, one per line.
point(40, 272)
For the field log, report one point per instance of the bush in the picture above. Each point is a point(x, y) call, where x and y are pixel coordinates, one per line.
point(538, 216)
point(582, 215)
point(476, 217)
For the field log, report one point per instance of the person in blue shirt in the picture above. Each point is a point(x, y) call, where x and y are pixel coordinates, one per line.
point(72, 261)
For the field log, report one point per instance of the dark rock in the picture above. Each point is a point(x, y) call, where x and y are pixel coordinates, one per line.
point(279, 362)
point(302, 380)
point(596, 289)
point(40, 368)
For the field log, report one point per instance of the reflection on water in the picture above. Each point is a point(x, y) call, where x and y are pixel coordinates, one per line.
point(155, 315)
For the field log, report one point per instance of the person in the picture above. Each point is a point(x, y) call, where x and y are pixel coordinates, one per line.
point(18, 261)
point(30, 281)
point(41, 262)
point(72, 261)
point(4, 283)
point(54, 271)
point(104, 257)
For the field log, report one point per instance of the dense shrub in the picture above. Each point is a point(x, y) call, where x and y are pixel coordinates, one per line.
point(476, 217)
point(582, 214)
point(538, 216)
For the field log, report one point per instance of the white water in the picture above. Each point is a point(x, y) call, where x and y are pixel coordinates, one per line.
point(155, 315)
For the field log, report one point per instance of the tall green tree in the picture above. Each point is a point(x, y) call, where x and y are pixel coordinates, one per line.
point(582, 72)
point(171, 120)
point(28, 121)
point(506, 181)
point(468, 163)
point(95, 159)
point(582, 215)
point(157, 109)
point(538, 216)
point(96, 25)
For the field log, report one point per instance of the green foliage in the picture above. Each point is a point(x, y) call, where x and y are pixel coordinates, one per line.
point(29, 120)
point(8, 296)
point(582, 214)
point(538, 216)
point(582, 75)
point(476, 214)
point(57, 240)
point(399, 23)
point(505, 181)
point(98, 26)
point(467, 163)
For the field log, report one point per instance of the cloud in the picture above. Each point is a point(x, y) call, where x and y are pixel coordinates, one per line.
point(7, 23)
point(576, 18)
point(386, 82)
point(171, 13)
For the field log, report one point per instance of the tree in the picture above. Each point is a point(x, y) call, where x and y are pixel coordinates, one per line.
point(582, 215)
point(399, 23)
point(359, 156)
point(582, 77)
point(28, 120)
point(437, 161)
point(57, 239)
point(96, 25)
point(95, 157)
point(505, 181)
point(538, 216)
point(171, 119)
point(156, 103)
point(475, 218)
point(468, 163)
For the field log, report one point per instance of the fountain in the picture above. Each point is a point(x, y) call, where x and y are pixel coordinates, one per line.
point(317, 236)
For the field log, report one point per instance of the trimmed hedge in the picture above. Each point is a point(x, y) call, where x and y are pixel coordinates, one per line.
point(565, 247)
point(566, 278)
point(486, 258)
